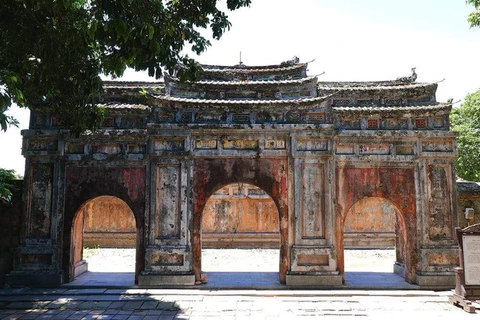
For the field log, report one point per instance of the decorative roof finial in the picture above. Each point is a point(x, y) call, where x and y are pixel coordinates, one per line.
point(410, 78)
point(240, 63)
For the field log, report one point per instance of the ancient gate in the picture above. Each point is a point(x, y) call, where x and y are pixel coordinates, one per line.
point(318, 149)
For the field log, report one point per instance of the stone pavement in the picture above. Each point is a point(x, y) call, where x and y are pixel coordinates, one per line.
point(104, 303)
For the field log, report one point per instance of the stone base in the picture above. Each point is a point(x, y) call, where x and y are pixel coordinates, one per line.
point(308, 280)
point(436, 281)
point(166, 280)
point(80, 267)
point(34, 279)
point(399, 269)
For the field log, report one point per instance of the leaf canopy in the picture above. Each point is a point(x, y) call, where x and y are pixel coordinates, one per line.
point(53, 52)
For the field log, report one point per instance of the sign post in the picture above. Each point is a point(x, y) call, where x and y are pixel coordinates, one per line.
point(467, 276)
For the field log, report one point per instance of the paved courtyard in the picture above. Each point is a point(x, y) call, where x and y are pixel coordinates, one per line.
point(240, 268)
point(103, 297)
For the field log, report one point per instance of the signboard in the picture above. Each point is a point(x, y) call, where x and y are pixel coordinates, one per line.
point(471, 259)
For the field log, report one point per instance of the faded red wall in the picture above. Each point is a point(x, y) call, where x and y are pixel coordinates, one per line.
point(210, 174)
point(86, 183)
point(397, 185)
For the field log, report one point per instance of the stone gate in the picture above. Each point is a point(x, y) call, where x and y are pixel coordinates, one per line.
point(322, 151)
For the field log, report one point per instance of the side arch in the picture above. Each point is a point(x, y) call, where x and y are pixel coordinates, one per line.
point(86, 183)
point(395, 184)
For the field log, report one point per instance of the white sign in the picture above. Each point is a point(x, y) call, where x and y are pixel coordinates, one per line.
point(471, 259)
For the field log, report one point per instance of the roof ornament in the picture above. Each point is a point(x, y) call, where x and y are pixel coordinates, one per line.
point(410, 78)
point(291, 62)
point(240, 63)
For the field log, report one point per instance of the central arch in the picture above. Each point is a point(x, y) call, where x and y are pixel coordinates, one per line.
point(378, 215)
point(269, 175)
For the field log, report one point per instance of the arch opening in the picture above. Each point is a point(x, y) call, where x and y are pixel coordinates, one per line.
point(104, 243)
point(374, 242)
point(240, 227)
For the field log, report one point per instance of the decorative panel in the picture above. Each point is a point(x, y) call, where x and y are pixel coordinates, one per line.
point(345, 149)
point(42, 145)
point(109, 149)
point(439, 221)
point(274, 144)
point(167, 259)
point(168, 145)
point(206, 144)
point(240, 144)
point(167, 209)
point(404, 150)
point(312, 145)
point(312, 201)
point(367, 149)
point(437, 146)
point(41, 199)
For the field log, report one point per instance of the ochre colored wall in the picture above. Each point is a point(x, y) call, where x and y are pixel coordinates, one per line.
point(108, 223)
point(370, 223)
point(240, 216)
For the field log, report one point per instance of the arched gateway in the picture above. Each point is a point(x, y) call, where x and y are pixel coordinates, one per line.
point(316, 148)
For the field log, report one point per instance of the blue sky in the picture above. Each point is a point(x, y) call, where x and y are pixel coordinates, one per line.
point(350, 40)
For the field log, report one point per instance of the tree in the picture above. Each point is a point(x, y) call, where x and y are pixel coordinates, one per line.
point(53, 52)
point(466, 121)
point(474, 17)
point(6, 177)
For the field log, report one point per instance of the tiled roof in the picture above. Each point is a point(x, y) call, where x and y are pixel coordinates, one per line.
point(390, 109)
point(125, 106)
point(367, 86)
point(131, 84)
point(250, 82)
point(243, 102)
point(253, 69)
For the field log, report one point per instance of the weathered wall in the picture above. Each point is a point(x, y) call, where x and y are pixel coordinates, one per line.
point(268, 174)
point(397, 185)
point(370, 223)
point(108, 223)
point(468, 196)
point(86, 183)
point(240, 216)
point(10, 226)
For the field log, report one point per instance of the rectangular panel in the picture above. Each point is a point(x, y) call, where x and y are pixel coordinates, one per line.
point(374, 149)
point(312, 201)
point(440, 223)
point(167, 210)
point(41, 199)
point(312, 145)
point(313, 260)
point(471, 258)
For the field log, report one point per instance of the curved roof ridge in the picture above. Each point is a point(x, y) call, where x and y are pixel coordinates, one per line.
point(252, 69)
point(249, 82)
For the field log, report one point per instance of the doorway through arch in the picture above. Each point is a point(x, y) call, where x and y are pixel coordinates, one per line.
point(240, 237)
point(374, 242)
point(103, 243)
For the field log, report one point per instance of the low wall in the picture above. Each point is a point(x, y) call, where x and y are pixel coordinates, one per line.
point(10, 226)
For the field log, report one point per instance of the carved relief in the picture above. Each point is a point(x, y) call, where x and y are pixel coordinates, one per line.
point(240, 118)
point(312, 145)
point(213, 117)
point(240, 144)
point(109, 149)
point(437, 146)
point(42, 145)
point(371, 149)
point(312, 201)
point(168, 145)
point(41, 200)
point(167, 208)
point(274, 144)
point(439, 204)
point(206, 144)
point(293, 116)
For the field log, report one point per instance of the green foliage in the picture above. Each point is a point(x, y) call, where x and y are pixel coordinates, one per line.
point(52, 52)
point(6, 177)
point(466, 121)
point(474, 17)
